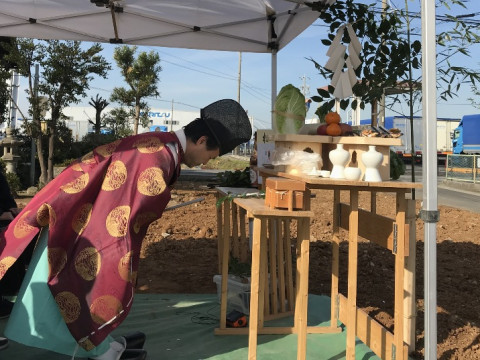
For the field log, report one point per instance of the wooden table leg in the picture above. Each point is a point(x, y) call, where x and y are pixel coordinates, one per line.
point(399, 274)
point(235, 238)
point(288, 264)
point(352, 275)
point(281, 264)
point(219, 234)
point(301, 307)
point(335, 259)
point(256, 283)
point(272, 253)
point(225, 258)
point(409, 303)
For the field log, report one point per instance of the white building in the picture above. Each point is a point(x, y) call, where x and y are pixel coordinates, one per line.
point(78, 119)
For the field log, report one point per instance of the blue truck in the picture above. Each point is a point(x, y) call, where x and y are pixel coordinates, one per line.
point(466, 137)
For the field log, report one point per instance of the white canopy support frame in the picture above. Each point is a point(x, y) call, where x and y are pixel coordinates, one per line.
point(429, 213)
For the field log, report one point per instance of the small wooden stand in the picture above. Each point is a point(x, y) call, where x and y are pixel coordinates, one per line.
point(271, 255)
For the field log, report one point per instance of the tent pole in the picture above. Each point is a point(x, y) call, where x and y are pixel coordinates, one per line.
point(274, 84)
point(429, 213)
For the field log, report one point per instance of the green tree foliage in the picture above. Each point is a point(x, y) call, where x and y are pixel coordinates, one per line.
point(388, 54)
point(383, 52)
point(118, 121)
point(99, 104)
point(66, 71)
point(6, 45)
point(141, 75)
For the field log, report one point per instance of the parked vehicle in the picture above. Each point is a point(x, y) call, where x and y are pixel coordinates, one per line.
point(466, 137)
point(445, 128)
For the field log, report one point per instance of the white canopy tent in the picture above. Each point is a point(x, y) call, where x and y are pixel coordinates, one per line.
point(263, 26)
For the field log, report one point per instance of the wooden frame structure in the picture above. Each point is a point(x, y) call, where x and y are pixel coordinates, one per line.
point(393, 234)
point(271, 254)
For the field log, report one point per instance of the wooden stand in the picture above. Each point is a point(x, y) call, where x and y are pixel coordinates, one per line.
point(271, 254)
point(392, 234)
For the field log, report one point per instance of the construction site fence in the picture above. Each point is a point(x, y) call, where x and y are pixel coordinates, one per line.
point(463, 168)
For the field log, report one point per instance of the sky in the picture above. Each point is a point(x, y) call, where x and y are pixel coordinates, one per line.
point(191, 79)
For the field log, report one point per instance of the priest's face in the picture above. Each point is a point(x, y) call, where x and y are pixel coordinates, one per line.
point(197, 153)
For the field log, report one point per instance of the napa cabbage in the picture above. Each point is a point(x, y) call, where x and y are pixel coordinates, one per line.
point(289, 110)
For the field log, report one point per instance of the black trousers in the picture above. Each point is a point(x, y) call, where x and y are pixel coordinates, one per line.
point(12, 280)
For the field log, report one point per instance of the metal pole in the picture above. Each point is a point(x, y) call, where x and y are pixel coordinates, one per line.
point(171, 119)
point(239, 76)
point(429, 212)
point(33, 148)
point(274, 85)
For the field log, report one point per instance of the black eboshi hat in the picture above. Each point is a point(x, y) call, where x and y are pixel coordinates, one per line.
point(228, 122)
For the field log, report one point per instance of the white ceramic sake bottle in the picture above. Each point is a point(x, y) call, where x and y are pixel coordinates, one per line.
point(339, 158)
point(372, 159)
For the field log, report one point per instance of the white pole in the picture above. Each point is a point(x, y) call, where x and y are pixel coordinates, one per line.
point(14, 99)
point(429, 212)
point(274, 83)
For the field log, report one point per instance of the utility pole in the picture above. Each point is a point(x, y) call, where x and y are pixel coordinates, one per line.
point(171, 119)
point(239, 76)
point(237, 149)
point(305, 88)
point(33, 147)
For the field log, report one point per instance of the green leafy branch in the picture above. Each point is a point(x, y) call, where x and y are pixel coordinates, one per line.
point(229, 197)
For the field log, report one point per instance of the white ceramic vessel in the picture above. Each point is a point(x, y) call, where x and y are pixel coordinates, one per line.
point(372, 159)
point(339, 158)
point(353, 173)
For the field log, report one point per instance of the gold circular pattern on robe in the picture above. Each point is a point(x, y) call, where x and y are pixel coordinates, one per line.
point(5, 264)
point(88, 263)
point(142, 219)
point(57, 258)
point(124, 267)
point(69, 306)
point(107, 149)
point(81, 218)
point(117, 221)
point(88, 158)
point(151, 182)
point(149, 145)
point(46, 215)
point(21, 228)
point(105, 308)
point(76, 185)
point(77, 167)
point(115, 177)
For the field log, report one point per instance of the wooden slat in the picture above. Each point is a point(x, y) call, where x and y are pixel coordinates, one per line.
point(280, 265)
point(255, 289)
point(301, 311)
point(410, 307)
point(219, 234)
point(278, 330)
point(371, 333)
point(315, 182)
point(399, 270)
point(372, 227)
point(257, 207)
point(235, 244)
point(289, 264)
point(272, 252)
point(225, 259)
point(244, 241)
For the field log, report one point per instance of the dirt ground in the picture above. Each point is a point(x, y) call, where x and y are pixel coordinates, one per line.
point(179, 255)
